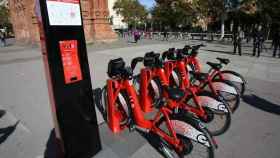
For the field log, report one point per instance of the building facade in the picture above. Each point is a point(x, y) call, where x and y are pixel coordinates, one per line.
point(95, 15)
point(116, 20)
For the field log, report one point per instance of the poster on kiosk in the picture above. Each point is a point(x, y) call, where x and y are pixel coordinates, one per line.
point(68, 78)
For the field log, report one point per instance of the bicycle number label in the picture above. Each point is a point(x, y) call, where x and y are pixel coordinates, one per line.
point(188, 131)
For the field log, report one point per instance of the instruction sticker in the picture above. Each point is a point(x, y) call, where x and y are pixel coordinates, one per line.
point(64, 12)
point(70, 61)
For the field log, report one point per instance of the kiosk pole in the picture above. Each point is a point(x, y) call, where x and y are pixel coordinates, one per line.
point(68, 75)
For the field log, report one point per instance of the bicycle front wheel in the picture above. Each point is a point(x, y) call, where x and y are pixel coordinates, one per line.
point(235, 78)
point(217, 114)
point(195, 140)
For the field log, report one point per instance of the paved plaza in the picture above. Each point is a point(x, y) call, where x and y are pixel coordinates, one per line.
point(254, 133)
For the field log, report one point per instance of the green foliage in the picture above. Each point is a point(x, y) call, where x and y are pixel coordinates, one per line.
point(131, 11)
point(269, 10)
point(4, 16)
point(173, 13)
point(244, 12)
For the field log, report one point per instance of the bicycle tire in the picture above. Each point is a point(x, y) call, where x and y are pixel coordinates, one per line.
point(155, 90)
point(233, 102)
point(175, 79)
point(124, 121)
point(226, 116)
point(240, 85)
point(189, 120)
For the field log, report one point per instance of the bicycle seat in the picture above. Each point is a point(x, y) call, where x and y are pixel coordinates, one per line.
point(223, 60)
point(175, 94)
point(115, 67)
point(199, 75)
point(215, 66)
point(149, 59)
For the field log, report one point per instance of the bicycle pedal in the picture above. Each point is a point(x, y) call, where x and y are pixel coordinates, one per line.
point(131, 126)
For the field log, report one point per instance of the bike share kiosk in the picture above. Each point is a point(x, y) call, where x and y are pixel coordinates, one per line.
point(68, 75)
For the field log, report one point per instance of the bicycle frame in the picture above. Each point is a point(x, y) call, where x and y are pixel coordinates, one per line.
point(185, 85)
point(223, 75)
point(211, 74)
point(147, 74)
point(113, 88)
point(198, 68)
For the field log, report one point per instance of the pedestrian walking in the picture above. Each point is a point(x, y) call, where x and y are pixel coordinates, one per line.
point(258, 41)
point(165, 34)
point(122, 33)
point(136, 36)
point(3, 37)
point(239, 36)
point(276, 42)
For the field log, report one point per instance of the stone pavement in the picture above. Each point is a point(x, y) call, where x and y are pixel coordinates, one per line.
point(23, 95)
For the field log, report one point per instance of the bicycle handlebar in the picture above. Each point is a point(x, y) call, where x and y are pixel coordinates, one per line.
point(135, 61)
point(194, 49)
point(127, 72)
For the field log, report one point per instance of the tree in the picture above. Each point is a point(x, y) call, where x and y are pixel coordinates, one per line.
point(269, 8)
point(4, 16)
point(173, 13)
point(131, 11)
point(217, 10)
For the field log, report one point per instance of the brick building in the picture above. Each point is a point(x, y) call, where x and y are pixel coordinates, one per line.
point(94, 12)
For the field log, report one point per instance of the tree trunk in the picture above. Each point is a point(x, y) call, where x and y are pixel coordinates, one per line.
point(231, 26)
point(222, 26)
point(268, 32)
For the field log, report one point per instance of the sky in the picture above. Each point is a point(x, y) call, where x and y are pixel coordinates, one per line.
point(148, 3)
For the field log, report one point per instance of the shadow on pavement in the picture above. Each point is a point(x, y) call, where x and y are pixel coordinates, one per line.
point(52, 148)
point(264, 54)
point(262, 104)
point(218, 51)
point(153, 139)
point(131, 42)
point(2, 113)
point(97, 95)
point(6, 132)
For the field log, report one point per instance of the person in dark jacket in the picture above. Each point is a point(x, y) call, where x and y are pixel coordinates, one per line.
point(258, 40)
point(239, 36)
point(276, 42)
point(165, 35)
point(3, 37)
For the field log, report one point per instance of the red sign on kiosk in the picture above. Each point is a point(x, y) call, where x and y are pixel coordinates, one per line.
point(70, 61)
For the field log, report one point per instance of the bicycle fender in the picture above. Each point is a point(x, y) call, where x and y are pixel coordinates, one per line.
point(222, 87)
point(176, 78)
point(156, 88)
point(123, 103)
point(212, 103)
point(231, 77)
point(184, 129)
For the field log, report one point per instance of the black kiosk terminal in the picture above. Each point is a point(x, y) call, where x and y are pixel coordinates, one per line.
point(68, 75)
